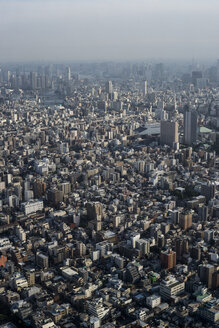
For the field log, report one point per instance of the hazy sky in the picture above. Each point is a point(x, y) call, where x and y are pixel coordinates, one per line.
point(108, 29)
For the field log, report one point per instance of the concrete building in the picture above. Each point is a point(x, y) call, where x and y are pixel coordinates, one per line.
point(169, 133)
point(190, 126)
point(168, 259)
point(171, 287)
point(153, 301)
point(32, 207)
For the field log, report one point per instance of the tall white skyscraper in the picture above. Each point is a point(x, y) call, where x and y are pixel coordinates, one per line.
point(145, 88)
point(190, 126)
point(68, 73)
point(109, 87)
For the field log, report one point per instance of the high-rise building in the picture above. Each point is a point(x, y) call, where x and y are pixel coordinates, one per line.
point(63, 147)
point(55, 196)
point(205, 273)
point(39, 188)
point(208, 190)
point(42, 260)
point(65, 187)
point(81, 249)
point(145, 88)
point(33, 80)
point(203, 212)
point(94, 211)
point(168, 133)
point(143, 245)
point(109, 87)
point(190, 126)
point(195, 76)
point(168, 259)
point(181, 246)
point(185, 220)
point(215, 279)
point(195, 253)
point(132, 274)
point(68, 73)
point(209, 313)
point(161, 241)
point(30, 275)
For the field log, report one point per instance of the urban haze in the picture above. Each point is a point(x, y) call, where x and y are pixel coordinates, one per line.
point(108, 30)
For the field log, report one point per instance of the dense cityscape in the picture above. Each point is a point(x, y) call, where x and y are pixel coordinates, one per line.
point(109, 176)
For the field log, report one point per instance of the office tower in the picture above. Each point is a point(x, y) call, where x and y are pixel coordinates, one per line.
point(215, 279)
point(132, 274)
point(42, 137)
point(42, 260)
point(185, 220)
point(208, 190)
point(83, 273)
point(33, 80)
point(68, 73)
point(205, 272)
point(116, 221)
point(158, 72)
point(109, 87)
point(55, 196)
point(168, 133)
point(95, 214)
point(43, 82)
point(209, 235)
point(30, 275)
point(182, 247)
point(161, 241)
point(49, 70)
point(163, 115)
point(145, 88)
point(190, 126)
point(168, 259)
point(39, 84)
point(140, 165)
point(115, 96)
point(94, 211)
point(195, 76)
point(63, 147)
point(81, 249)
point(65, 187)
point(143, 245)
point(7, 76)
point(175, 216)
point(196, 253)
point(39, 188)
point(188, 153)
point(165, 228)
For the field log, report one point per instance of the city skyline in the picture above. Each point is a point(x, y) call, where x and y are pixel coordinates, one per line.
point(109, 164)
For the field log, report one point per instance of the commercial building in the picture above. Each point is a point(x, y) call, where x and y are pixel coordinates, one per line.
point(190, 126)
point(169, 133)
point(171, 287)
point(32, 207)
point(168, 259)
